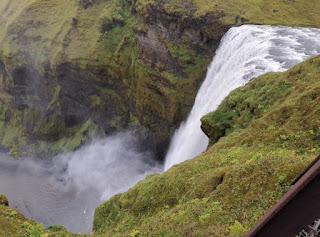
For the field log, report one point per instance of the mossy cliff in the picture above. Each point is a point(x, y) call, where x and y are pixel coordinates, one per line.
point(262, 136)
point(64, 64)
point(79, 68)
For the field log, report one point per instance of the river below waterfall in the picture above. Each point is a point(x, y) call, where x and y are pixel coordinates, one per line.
point(67, 189)
point(35, 191)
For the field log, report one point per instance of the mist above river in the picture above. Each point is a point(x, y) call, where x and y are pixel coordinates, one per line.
point(67, 189)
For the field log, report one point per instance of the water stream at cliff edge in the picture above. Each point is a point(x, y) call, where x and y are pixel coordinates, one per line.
point(67, 190)
point(244, 53)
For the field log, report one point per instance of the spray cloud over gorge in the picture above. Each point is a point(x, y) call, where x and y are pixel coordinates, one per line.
point(245, 52)
point(68, 189)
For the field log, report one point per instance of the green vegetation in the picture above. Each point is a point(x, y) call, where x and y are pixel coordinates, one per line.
point(237, 230)
point(15, 133)
point(283, 12)
point(285, 104)
point(3, 200)
point(67, 46)
point(57, 57)
point(70, 70)
point(271, 135)
point(12, 222)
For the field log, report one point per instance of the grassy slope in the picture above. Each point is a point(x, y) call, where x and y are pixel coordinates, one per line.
point(11, 222)
point(37, 30)
point(292, 98)
point(284, 12)
point(188, 200)
point(273, 12)
point(18, 14)
point(227, 189)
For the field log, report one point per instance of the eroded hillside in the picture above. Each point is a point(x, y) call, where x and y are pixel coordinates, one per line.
point(263, 135)
point(79, 68)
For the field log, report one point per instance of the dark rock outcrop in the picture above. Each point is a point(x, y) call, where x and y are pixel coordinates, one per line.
point(4, 200)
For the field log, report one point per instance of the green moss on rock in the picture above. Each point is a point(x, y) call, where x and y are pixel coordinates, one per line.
point(228, 188)
point(60, 59)
point(284, 105)
point(3, 200)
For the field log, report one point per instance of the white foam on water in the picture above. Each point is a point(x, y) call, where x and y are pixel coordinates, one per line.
point(244, 53)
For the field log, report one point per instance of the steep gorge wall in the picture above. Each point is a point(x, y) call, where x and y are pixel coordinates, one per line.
point(262, 136)
point(97, 67)
point(74, 69)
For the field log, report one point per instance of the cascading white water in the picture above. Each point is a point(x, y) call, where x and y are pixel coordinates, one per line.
point(66, 190)
point(245, 52)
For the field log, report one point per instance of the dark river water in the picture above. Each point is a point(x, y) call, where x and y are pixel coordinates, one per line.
point(35, 191)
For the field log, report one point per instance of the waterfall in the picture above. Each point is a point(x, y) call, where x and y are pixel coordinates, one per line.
point(244, 53)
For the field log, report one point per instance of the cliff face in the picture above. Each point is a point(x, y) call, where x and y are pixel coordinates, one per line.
point(263, 135)
point(74, 69)
point(71, 69)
